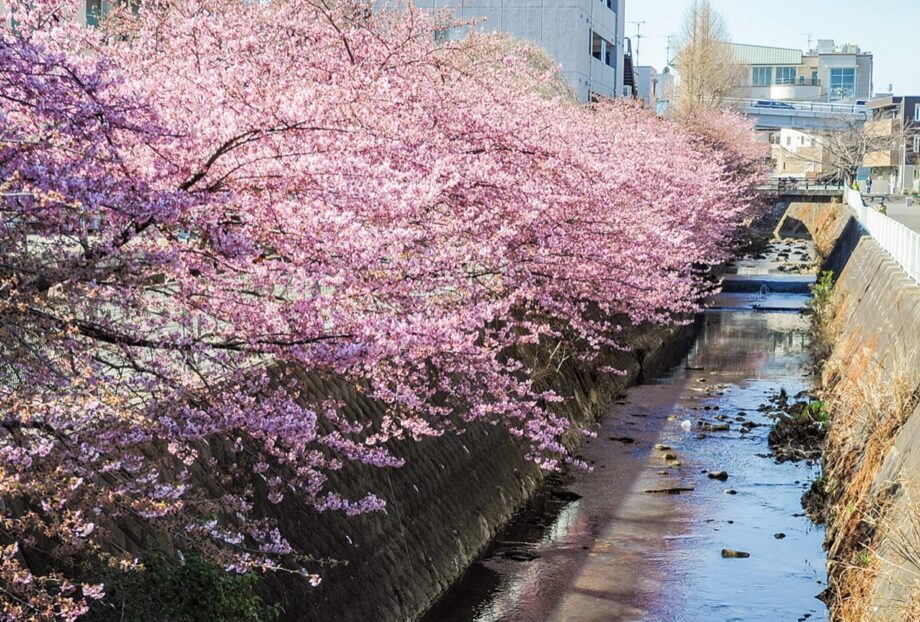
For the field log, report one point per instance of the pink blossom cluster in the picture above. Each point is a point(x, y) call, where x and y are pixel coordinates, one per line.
point(202, 200)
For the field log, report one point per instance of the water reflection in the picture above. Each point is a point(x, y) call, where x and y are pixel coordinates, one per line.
point(621, 553)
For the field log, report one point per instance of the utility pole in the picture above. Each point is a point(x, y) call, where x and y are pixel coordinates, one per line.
point(809, 43)
point(667, 52)
point(639, 26)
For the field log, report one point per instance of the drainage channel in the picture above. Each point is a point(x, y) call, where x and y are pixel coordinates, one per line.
point(682, 480)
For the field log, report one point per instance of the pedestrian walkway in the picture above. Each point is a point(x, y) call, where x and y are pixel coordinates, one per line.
point(897, 230)
point(905, 214)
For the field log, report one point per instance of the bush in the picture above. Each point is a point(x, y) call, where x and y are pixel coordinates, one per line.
point(196, 591)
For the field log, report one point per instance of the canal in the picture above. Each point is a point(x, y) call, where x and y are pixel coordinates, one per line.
point(681, 470)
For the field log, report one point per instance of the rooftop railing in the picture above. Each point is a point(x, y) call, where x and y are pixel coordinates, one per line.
point(800, 81)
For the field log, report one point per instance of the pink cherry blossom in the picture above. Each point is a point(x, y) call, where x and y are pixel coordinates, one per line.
point(210, 205)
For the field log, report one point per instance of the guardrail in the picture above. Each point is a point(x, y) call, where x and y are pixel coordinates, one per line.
point(898, 240)
point(794, 185)
point(764, 105)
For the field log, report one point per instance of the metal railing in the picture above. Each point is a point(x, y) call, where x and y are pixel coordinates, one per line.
point(794, 185)
point(765, 105)
point(897, 239)
point(798, 81)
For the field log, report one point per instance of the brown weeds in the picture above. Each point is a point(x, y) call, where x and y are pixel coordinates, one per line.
point(869, 406)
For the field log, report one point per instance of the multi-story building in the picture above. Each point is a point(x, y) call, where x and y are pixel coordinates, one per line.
point(586, 37)
point(89, 11)
point(828, 73)
point(896, 169)
point(797, 154)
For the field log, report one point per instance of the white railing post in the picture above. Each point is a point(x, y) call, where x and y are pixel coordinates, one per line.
point(898, 240)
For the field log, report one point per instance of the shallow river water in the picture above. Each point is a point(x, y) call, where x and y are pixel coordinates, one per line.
point(599, 546)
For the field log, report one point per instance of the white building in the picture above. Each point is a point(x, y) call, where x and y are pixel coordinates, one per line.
point(828, 73)
point(586, 37)
point(799, 154)
point(647, 86)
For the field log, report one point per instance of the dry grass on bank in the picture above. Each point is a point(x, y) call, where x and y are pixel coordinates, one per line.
point(869, 407)
point(901, 552)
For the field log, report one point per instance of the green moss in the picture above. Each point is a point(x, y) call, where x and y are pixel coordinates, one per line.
point(195, 591)
point(814, 411)
point(819, 485)
point(821, 309)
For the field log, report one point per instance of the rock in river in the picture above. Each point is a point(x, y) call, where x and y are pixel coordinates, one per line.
point(730, 554)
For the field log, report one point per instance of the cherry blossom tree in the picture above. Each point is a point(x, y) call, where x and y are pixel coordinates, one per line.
point(202, 195)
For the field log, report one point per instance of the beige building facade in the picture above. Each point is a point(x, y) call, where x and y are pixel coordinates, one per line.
point(895, 170)
point(828, 73)
point(798, 154)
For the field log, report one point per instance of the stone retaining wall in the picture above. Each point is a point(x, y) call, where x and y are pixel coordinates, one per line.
point(872, 381)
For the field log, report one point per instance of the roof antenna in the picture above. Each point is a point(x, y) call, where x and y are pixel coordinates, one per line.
point(639, 38)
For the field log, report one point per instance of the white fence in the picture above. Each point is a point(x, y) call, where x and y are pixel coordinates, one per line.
point(898, 240)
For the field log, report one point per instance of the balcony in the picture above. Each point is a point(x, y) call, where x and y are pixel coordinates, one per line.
point(801, 81)
point(785, 92)
point(882, 127)
point(882, 159)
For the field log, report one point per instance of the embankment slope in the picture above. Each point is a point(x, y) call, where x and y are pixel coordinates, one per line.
point(871, 381)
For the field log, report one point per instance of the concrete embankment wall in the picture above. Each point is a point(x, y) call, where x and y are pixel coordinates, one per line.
point(443, 507)
point(872, 460)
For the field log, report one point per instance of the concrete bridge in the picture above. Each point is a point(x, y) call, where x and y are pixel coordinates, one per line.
point(800, 189)
point(775, 115)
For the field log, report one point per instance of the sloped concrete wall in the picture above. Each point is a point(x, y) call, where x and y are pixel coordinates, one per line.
point(879, 348)
point(445, 505)
point(830, 225)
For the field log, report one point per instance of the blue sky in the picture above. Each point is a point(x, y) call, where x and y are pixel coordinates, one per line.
point(890, 29)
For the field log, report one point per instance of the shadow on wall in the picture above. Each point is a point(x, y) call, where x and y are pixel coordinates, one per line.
point(844, 247)
point(831, 226)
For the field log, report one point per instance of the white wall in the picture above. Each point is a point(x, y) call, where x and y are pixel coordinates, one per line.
point(562, 27)
point(648, 85)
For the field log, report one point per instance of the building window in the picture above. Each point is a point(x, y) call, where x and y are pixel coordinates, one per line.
point(597, 46)
point(785, 75)
point(917, 113)
point(814, 77)
point(763, 76)
point(443, 35)
point(603, 50)
point(917, 142)
point(93, 12)
point(843, 83)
